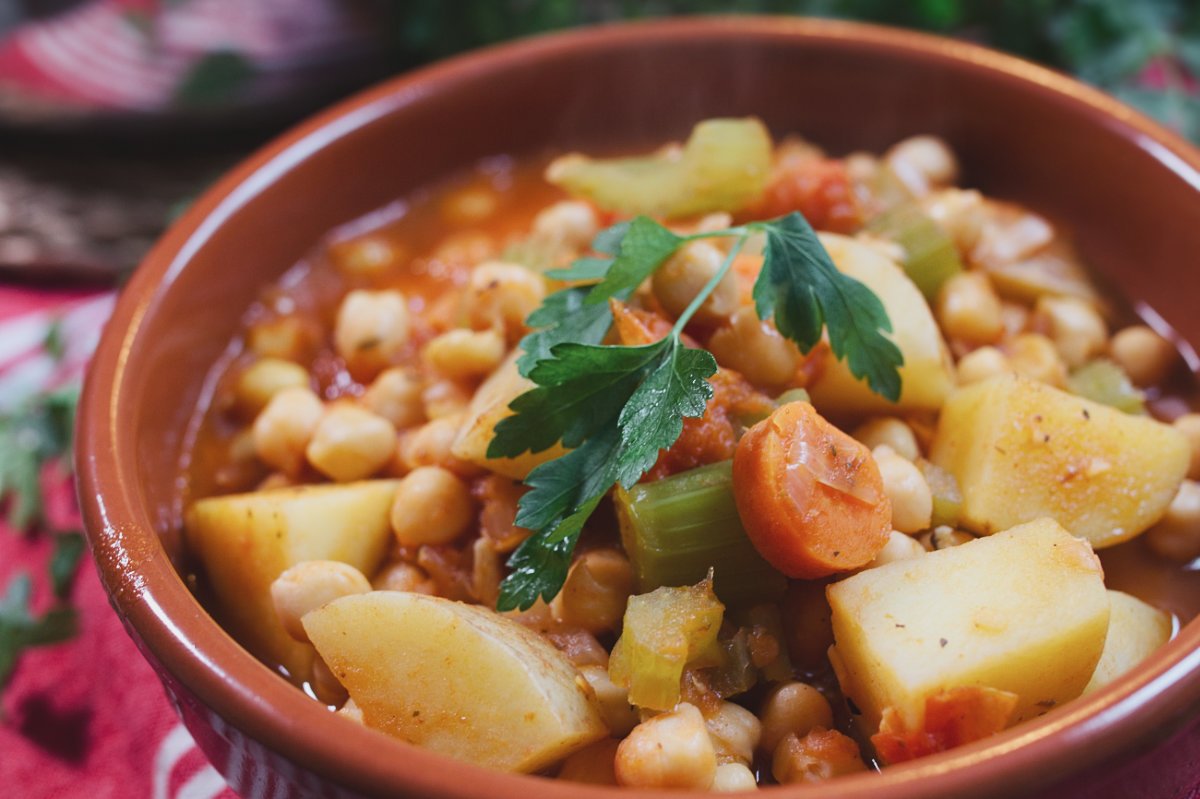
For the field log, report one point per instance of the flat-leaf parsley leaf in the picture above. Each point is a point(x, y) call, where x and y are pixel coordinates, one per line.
point(616, 407)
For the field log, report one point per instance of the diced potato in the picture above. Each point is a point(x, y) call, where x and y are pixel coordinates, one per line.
point(245, 541)
point(1024, 611)
point(927, 375)
point(487, 408)
point(1135, 630)
point(1022, 450)
point(456, 678)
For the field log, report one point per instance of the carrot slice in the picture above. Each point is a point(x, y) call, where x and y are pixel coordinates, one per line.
point(810, 496)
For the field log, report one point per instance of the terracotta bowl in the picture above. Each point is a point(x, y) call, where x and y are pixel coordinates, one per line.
point(1128, 188)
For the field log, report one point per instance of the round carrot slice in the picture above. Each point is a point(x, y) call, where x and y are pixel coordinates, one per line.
point(810, 496)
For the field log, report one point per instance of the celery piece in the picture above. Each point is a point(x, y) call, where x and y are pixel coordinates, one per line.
point(792, 395)
point(947, 497)
point(676, 529)
point(662, 632)
point(887, 190)
point(723, 167)
point(1103, 381)
point(930, 257)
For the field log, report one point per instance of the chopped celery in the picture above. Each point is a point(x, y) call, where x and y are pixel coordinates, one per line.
point(723, 167)
point(792, 395)
point(887, 190)
point(947, 497)
point(1103, 381)
point(664, 630)
point(930, 257)
point(676, 529)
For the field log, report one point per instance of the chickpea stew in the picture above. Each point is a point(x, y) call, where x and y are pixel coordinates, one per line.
point(730, 465)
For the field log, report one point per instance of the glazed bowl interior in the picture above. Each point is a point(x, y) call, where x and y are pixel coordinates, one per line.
point(1129, 191)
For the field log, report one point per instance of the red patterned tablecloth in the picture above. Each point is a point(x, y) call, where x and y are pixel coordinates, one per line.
point(86, 719)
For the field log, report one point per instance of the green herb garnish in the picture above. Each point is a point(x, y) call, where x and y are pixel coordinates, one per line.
point(615, 407)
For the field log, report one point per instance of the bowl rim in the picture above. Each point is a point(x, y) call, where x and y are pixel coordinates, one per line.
point(1130, 715)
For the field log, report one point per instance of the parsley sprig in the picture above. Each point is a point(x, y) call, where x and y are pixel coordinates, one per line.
point(616, 407)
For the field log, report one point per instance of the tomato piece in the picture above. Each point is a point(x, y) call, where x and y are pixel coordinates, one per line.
point(953, 717)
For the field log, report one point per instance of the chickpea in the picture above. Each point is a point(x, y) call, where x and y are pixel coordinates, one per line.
point(680, 279)
point(1144, 355)
point(283, 429)
point(1016, 319)
point(264, 379)
point(465, 247)
point(793, 708)
point(431, 444)
point(1177, 534)
point(943, 537)
point(1189, 425)
point(969, 310)
point(432, 506)
point(1010, 234)
point(981, 364)
point(735, 733)
point(372, 330)
point(395, 394)
point(1035, 356)
point(401, 576)
point(958, 212)
point(442, 398)
point(593, 765)
point(890, 431)
point(1074, 326)
point(611, 699)
point(818, 756)
point(325, 685)
point(671, 750)
point(898, 547)
point(503, 294)
point(465, 354)
point(367, 256)
point(861, 167)
point(309, 585)
point(923, 162)
point(710, 223)
point(756, 349)
point(284, 337)
point(596, 591)
point(571, 223)
point(906, 489)
point(470, 205)
point(732, 778)
point(351, 443)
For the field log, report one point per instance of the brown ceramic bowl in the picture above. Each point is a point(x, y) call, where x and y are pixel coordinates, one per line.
point(1130, 190)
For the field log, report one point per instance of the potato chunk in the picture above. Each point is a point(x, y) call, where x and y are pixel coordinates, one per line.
point(487, 408)
point(457, 679)
point(245, 541)
point(1135, 630)
point(1022, 450)
point(927, 374)
point(1023, 611)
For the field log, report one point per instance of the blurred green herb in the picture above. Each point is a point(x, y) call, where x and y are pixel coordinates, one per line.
point(20, 629)
point(37, 433)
